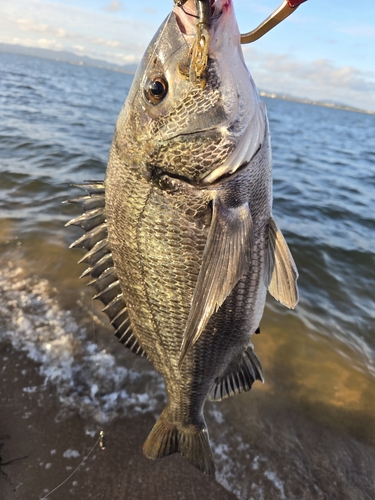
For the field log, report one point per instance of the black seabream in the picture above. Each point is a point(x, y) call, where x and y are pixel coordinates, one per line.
point(181, 242)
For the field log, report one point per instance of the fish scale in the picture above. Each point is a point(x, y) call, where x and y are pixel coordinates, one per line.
point(192, 160)
point(186, 247)
point(192, 101)
point(171, 244)
point(172, 263)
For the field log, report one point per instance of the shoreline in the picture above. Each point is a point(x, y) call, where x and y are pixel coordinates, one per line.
point(89, 62)
point(54, 448)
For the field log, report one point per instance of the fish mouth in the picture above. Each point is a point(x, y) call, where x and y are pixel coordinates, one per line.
point(165, 180)
point(198, 133)
point(187, 15)
point(195, 19)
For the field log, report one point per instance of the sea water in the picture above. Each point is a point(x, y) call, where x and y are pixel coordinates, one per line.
point(309, 431)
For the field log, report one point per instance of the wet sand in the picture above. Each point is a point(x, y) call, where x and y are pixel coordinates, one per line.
point(29, 425)
point(322, 461)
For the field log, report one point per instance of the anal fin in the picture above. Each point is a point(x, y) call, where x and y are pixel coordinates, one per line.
point(281, 272)
point(239, 380)
point(226, 258)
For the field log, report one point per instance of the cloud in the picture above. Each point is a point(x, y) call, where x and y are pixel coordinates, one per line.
point(47, 43)
point(107, 43)
point(126, 59)
point(317, 80)
point(114, 6)
point(97, 34)
point(150, 10)
point(322, 72)
point(30, 25)
point(79, 48)
point(359, 30)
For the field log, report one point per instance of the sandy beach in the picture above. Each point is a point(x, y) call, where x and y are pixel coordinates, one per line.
point(29, 426)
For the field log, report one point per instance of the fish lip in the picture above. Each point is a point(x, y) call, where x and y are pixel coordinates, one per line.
point(186, 16)
point(158, 175)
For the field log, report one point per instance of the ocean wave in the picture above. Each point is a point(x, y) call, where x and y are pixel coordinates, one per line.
point(88, 380)
point(91, 382)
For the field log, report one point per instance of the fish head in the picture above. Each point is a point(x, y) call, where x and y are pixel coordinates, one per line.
point(179, 126)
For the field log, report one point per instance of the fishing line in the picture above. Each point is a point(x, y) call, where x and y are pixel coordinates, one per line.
point(93, 324)
point(97, 353)
point(101, 442)
point(101, 439)
point(193, 15)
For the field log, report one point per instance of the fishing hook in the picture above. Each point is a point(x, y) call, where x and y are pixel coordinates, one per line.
point(282, 12)
point(180, 3)
point(199, 57)
point(196, 71)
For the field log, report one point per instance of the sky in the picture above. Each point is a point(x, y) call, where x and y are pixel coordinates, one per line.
point(324, 51)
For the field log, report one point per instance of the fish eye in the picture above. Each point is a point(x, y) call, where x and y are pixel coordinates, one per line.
point(156, 89)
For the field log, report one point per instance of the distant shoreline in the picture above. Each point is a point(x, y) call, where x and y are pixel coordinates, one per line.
point(130, 69)
point(66, 57)
point(323, 104)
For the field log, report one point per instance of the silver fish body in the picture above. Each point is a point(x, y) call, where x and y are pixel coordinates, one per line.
point(186, 246)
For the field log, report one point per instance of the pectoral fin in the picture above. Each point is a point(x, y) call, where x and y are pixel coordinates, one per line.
point(281, 272)
point(226, 258)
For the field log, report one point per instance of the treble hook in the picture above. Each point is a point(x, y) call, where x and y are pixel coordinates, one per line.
point(281, 13)
point(198, 57)
point(201, 45)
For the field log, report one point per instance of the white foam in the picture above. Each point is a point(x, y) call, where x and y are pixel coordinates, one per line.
point(87, 379)
point(272, 476)
point(30, 390)
point(241, 469)
point(71, 453)
point(90, 381)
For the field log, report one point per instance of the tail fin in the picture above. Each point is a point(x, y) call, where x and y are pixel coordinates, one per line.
point(192, 442)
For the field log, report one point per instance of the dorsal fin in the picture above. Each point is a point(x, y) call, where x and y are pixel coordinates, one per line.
point(99, 259)
point(239, 380)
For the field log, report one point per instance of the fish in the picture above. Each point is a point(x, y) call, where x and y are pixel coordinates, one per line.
point(180, 238)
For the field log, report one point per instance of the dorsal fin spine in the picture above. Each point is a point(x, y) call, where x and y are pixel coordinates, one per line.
point(101, 266)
